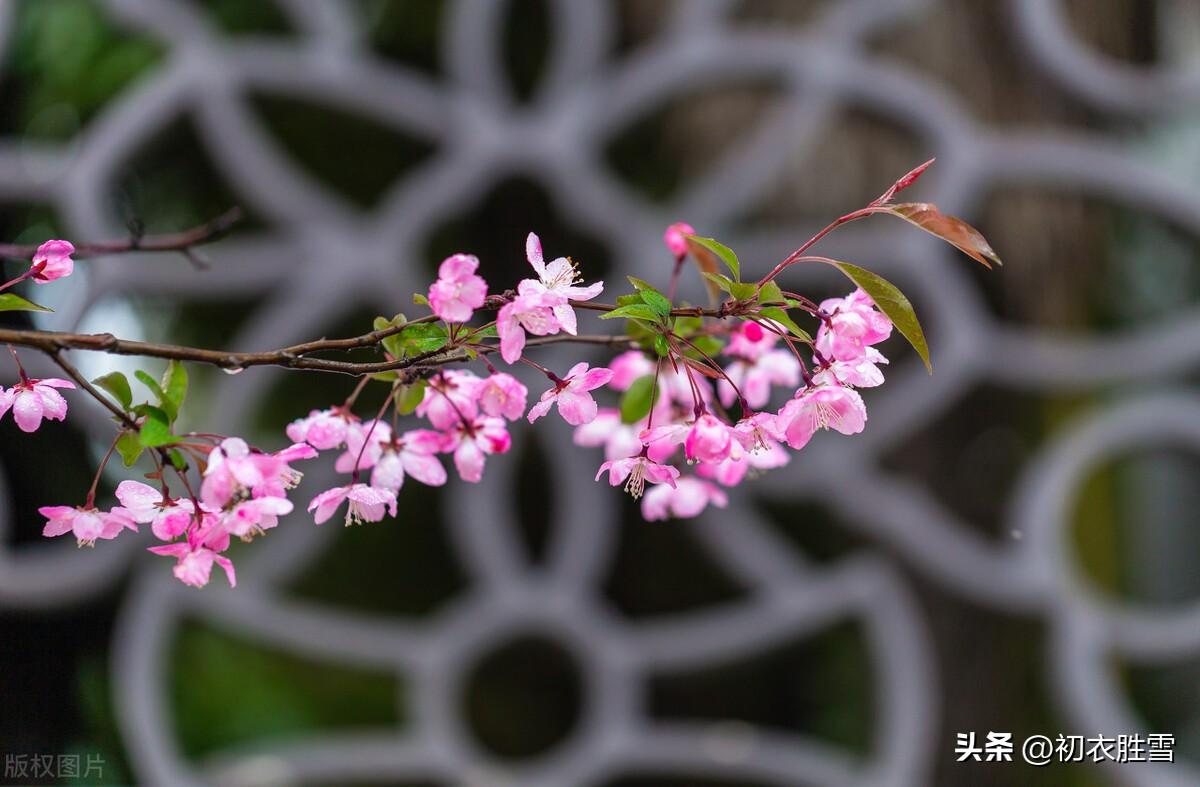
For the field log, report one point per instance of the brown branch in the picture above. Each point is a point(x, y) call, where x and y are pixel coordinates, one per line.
point(176, 241)
point(53, 343)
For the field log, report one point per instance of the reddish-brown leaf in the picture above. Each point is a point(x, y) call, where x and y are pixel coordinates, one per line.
point(904, 182)
point(953, 230)
point(707, 262)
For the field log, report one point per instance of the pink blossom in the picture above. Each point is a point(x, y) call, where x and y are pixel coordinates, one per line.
point(54, 259)
point(662, 441)
point(473, 441)
point(638, 470)
point(685, 500)
point(255, 516)
point(363, 452)
point(532, 311)
point(366, 503)
point(168, 518)
point(627, 367)
point(458, 291)
point(195, 556)
point(33, 400)
point(675, 238)
point(821, 407)
point(754, 378)
point(708, 440)
point(233, 469)
point(503, 394)
point(741, 461)
point(620, 440)
point(853, 324)
point(750, 341)
point(558, 278)
point(88, 524)
point(322, 429)
point(862, 373)
point(277, 472)
point(450, 397)
point(415, 454)
point(575, 403)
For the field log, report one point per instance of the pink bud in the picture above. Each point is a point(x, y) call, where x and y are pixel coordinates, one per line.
point(676, 238)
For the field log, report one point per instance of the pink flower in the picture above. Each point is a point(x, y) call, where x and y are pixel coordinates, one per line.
point(687, 499)
point(249, 518)
point(367, 503)
point(322, 429)
point(52, 260)
point(458, 291)
point(639, 470)
point(503, 394)
point(620, 440)
point(196, 555)
point(754, 378)
point(764, 456)
point(530, 311)
point(414, 454)
point(234, 469)
point(450, 397)
point(627, 367)
point(750, 341)
point(708, 440)
point(33, 400)
point(88, 524)
point(853, 324)
point(863, 373)
point(472, 443)
point(575, 403)
point(362, 449)
point(558, 278)
point(821, 407)
point(675, 238)
point(168, 518)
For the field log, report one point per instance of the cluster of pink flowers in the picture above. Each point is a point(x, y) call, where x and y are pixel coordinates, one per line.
point(678, 458)
point(243, 494)
point(723, 451)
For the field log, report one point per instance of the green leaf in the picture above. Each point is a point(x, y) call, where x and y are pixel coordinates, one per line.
point(723, 252)
point(640, 285)
point(634, 311)
point(776, 314)
point(420, 299)
point(175, 387)
point(129, 447)
point(150, 383)
point(628, 298)
point(770, 293)
point(721, 280)
point(385, 377)
point(743, 291)
point(661, 347)
point(410, 396)
point(657, 301)
point(177, 459)
point(686, 324)
point(118, 386)
point(156, 429)
point(11, 302)
point(486, 332)
point(891, 302)
point(709, 345)
point(423, 337)
point(637, 401)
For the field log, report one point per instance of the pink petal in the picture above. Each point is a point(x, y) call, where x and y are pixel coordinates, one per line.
point(27, 411)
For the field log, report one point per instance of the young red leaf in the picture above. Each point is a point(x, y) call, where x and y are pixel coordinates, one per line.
point(953, 230)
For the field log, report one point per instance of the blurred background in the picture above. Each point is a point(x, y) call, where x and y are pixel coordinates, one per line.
point(1009, 547)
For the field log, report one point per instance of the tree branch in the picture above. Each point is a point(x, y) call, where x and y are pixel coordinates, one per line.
point(175, 241)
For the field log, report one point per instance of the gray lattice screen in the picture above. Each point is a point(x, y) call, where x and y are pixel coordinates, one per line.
point(557, 139)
